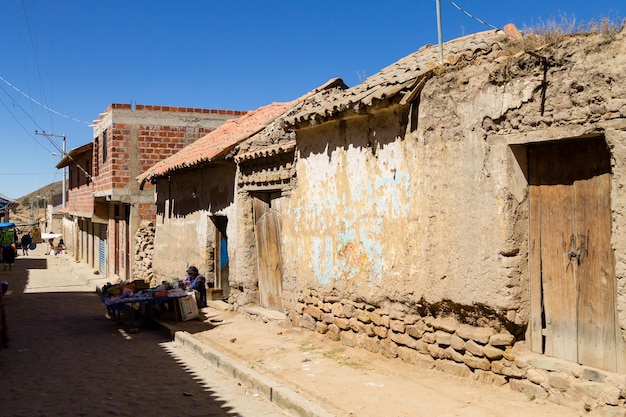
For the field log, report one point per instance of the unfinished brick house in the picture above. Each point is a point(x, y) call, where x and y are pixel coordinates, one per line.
point(105, 206)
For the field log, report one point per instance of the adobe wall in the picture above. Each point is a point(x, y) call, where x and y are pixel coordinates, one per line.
point(185, 233)
point(414, 244)
point(255, 175)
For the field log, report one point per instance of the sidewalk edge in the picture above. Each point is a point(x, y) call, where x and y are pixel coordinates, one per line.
point(278, 394)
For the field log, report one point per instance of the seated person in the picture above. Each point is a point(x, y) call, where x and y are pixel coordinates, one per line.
point(198, 283)
point(60, 247)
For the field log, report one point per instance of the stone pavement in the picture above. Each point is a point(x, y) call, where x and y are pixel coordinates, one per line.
point(307, 374)
point(67, 358)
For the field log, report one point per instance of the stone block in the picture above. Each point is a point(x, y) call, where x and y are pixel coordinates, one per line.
point(381, 331)
point(501, 339)
point(364, 317)
point(333, 332)
point(452, 354)
point(321, 328)
point(422, 347)
point(376, 318)
point(442, 338)
point(348, 338)
point(414, 331)
point(368, 329)
point(307, 322)
point(348, 310)
point(397, 311)
point(453, 368)
point(429, 337)
point(500, 367)
point(592, 375)
point(529, 389)
point(474, 348)
point(558, 380)
point(447, 324)
point(489, 377)
point(313, 312)
point(371, 344)
point(457, 343)
point(388, 348)
point(436, 352)
point(477, 334)
point(402, 339)
point(536, 376)
point(493, 353)
point(343, 324)
point(610, 396)
point(476, 362)
point(355, 325)
point(411, 319)
point(328, 318)
point(337, 310)
point(397, 326)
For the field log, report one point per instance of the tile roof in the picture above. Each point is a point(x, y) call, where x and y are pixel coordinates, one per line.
point(266, 151)
point(222, 140)
point(400, 79)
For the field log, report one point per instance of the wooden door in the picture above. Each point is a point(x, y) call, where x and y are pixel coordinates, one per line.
point(267, 229)
point(571, 254)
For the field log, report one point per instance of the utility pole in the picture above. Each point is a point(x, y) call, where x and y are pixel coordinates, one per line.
point(439, 34)
point(49, 135)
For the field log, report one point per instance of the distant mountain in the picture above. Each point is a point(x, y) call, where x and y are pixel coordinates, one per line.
point(32, 205)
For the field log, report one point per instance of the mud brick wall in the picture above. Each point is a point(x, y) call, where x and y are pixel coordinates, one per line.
point(488, 353)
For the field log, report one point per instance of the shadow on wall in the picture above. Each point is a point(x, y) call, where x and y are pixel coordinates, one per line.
point(210, 188)
point(372, 132)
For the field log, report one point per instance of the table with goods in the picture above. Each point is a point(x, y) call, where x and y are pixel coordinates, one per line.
point(169, 299)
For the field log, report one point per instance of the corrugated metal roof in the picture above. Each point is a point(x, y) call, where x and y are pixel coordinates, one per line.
point(398, 79)
point(222, 140)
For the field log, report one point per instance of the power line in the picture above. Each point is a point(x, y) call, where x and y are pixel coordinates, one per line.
point(40, 104)
point(473, 17)
point(32, 44)
point(20, 123)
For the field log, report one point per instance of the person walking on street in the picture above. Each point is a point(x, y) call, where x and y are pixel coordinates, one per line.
point(8, 256)
point(50, 246)
point(26, 241)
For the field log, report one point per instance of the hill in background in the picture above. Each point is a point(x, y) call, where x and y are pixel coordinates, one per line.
point(32, 205)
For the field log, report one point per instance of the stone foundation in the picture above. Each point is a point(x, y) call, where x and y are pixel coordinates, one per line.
point(490, 354)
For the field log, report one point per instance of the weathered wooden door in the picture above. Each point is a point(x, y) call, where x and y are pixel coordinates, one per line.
point(571, 254)
point(267, 228)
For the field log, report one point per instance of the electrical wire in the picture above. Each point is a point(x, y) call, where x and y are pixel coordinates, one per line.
point(20, 123)
point(40, 104)
point(473, 17)
point(32, 45)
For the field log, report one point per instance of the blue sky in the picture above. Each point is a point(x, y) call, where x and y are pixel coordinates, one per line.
point(70, 59)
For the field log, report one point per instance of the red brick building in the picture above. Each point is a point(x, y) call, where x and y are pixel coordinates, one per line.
point(104, 203)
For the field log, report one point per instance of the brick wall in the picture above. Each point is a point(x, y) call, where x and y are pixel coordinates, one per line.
point(140, 137)
point(80, 200)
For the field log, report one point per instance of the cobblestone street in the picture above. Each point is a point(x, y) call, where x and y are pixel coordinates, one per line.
point(67, 359)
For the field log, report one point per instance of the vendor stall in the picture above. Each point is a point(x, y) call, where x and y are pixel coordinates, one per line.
point(138, 295)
